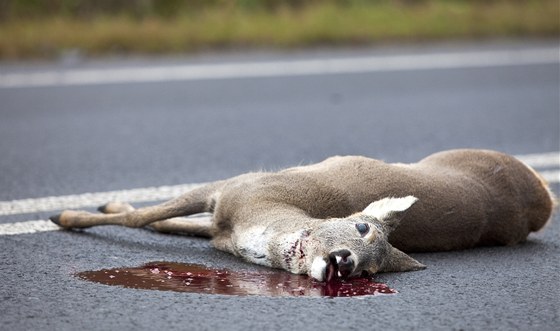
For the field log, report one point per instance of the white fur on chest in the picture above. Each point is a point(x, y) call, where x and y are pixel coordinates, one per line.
point(252, 244)
point(261, 245)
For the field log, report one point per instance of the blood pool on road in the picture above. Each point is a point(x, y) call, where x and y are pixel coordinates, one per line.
point(194, 278)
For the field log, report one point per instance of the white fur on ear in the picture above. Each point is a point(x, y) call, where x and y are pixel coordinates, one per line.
point(380, 209)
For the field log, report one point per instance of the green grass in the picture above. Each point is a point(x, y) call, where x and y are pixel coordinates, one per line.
point(317, 23)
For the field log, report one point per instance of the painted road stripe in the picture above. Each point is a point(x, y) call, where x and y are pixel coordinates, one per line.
point(88, 200)
point(46, 225)
point(27, 227)
point(543, 160)
point(75, 201)
point(25, 206)
point(280, 68)
point(552, 176)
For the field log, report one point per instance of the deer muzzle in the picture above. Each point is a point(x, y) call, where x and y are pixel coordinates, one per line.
point(340, 265)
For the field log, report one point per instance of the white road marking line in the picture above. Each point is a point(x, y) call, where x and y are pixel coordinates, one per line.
point(543, 160)
point(552, 176)
point(93, 199)
point(10, 229)
point(24, 206)
point(164, 193)
point(281, 68)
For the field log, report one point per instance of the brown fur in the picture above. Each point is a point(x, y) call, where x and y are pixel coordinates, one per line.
point(466, 198)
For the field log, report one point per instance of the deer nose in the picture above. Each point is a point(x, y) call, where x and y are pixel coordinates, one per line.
point(344, 262)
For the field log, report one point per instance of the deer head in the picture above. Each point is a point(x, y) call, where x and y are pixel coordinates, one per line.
point(347, 247)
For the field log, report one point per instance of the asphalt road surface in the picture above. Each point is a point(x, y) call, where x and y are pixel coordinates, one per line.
point(75, 127)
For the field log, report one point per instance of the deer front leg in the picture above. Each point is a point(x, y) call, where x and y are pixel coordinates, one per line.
point(134, 219)
point(196, 201)
point(196, 226)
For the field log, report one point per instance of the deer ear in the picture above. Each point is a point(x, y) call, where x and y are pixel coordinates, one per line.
point(388, 210)
point(398, 261)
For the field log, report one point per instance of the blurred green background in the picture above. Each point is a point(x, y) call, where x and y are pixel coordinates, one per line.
point(48, 28)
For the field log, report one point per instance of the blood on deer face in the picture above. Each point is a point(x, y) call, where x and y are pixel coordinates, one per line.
point(348, 247)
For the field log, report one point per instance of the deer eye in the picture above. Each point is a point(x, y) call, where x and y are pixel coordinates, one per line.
point(363, 228)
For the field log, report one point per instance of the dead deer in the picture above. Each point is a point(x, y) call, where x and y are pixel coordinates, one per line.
point(350, 215)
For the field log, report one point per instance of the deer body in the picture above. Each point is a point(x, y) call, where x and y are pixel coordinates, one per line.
point(351, 214)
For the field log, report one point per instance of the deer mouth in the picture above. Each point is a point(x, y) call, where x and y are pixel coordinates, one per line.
point(338, 268)
point(330, 269)
point(333, 271)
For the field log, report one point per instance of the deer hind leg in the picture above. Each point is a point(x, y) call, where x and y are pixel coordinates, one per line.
point(196, 226)
point(197, 201)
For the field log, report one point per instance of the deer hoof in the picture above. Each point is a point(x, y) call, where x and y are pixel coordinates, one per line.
point(55, 219)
